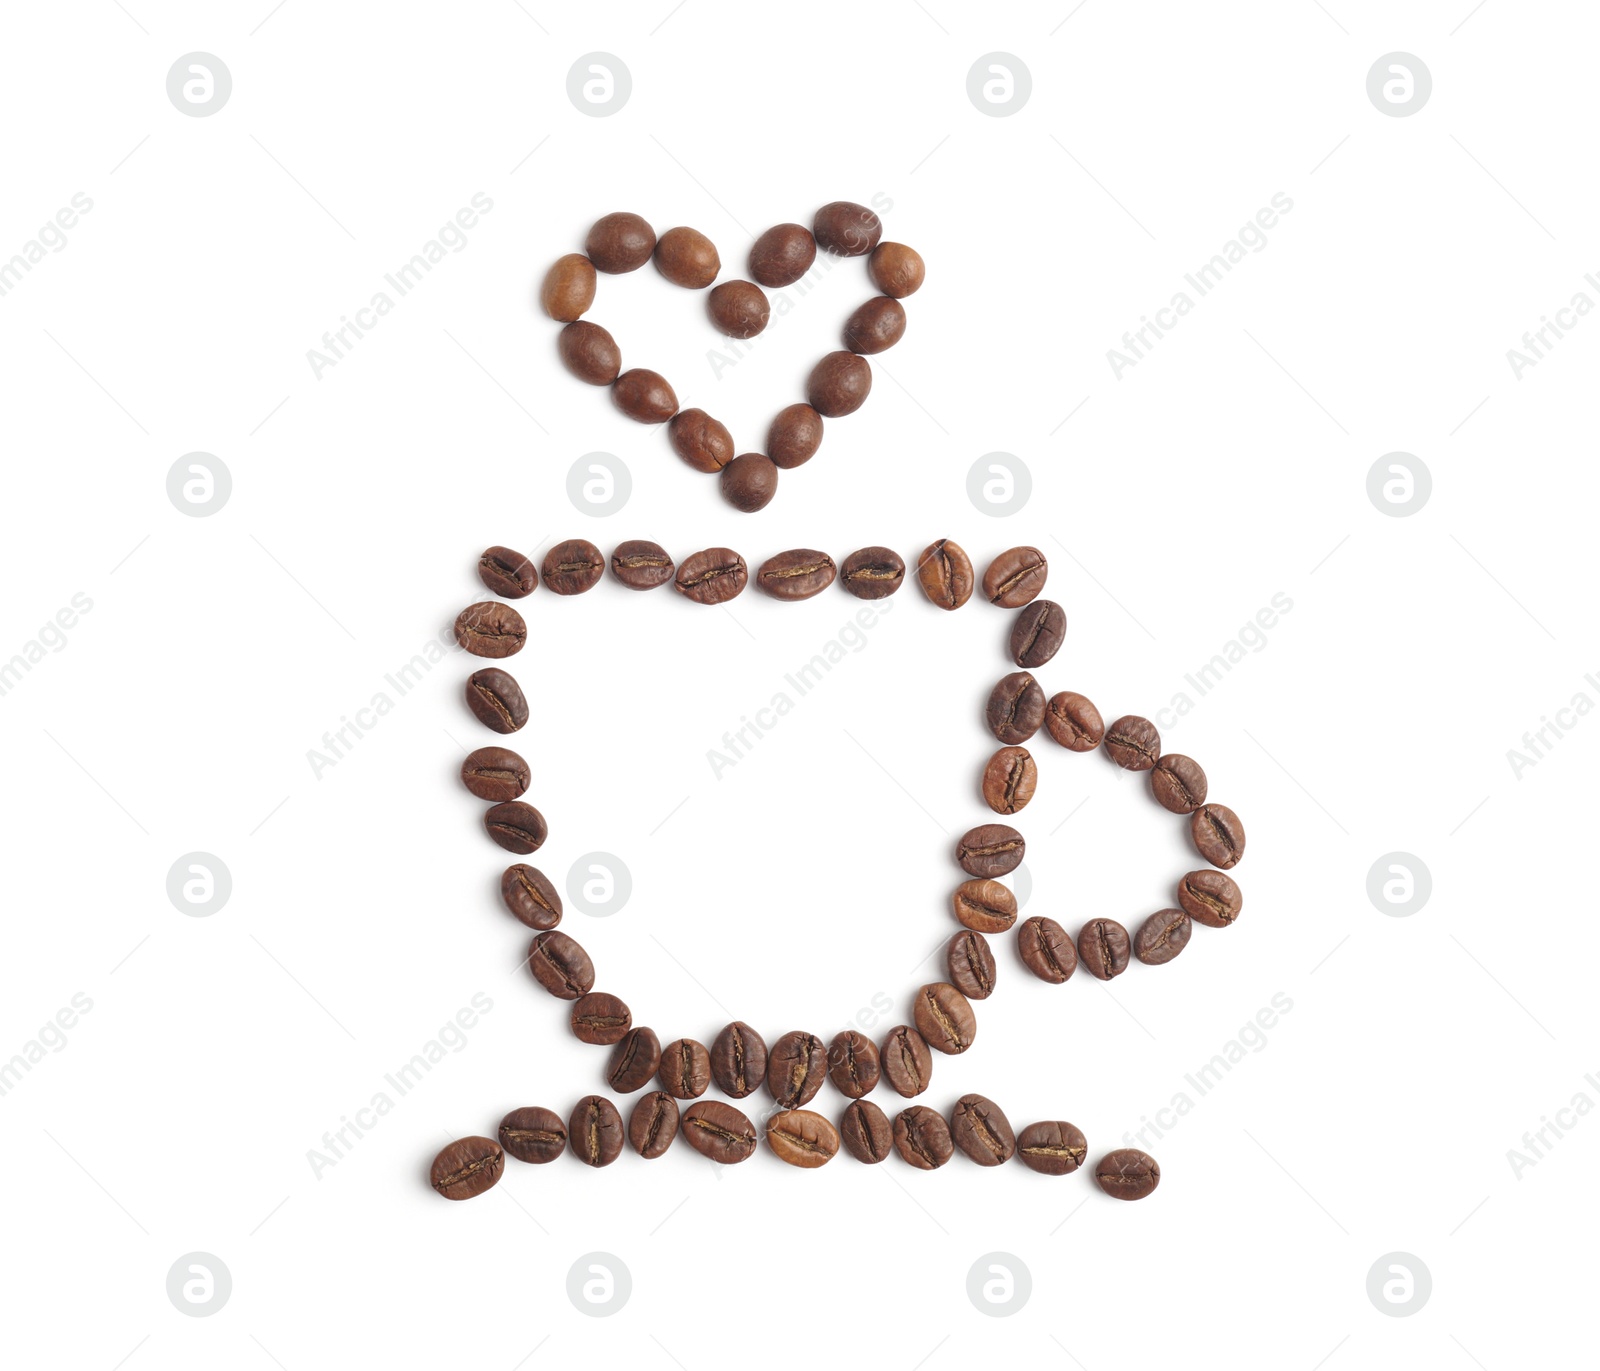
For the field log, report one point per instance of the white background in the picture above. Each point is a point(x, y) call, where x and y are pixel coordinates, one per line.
point(1228, 466)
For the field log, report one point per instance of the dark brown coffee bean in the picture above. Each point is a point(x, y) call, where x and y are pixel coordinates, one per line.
point(990, 850)
point(1038, 633)
point(846, 229)
point(653, 1124)
point(1218, 835)
point(749, 482)
point(620, 242)
point(517, 826)
point(687, 258)
point(1074, 722)
point(595, 1131)
point(802, 1138)
point(1103, 948)
point(979, 1127)
point(896, 270)
point(944, 1018)
point(644, 395)
point(1134, 743)
point(1210, 898)
point(589, 352)
point(685, 1068)
point(641, 565)
point(985, 906)
point(1015, 708)
point(782, 255)
point(1178, 783)
point(866, 1132)
point(496, 700)
point(600, 1019)
point(572, 567)
point(1053, 1147)
point(739, 1060)
point(703, 442)
point(1162, 936)
point(739, 309)
point(853, 1064)
point(922, 1138)
point(561, 966)
point(568, 288)
point(875, 326)
point(719, 1131)
point(712, 577)
point(944, 572)
point(495, 773)
point(467, 1167)
point(796, 575)
point(907, 1061)
point(1009, 780)
point(491, 629)
point(794, 437)
point(507, 573)
point(873, 573)
point(1046, 950)
point(839, 384)
point(1127, 1173)
point(634, 1060)
point(971, 964)
point(1015, 577)
point(796, 1067)
point(528, 894)
point(532, 1134)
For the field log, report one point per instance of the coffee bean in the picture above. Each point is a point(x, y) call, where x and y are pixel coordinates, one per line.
point(907, 1062)
point(1054, 1147)
point(801, 1138)
point(1038, 633)
point(739, 309)
point(495, 773)
point(491, 629)
point(990, 850)
point(644, 395)
point(685, 1068)
point(875, 326)
point(796, 1067)
point(1210, 898)
point(1074, 722)
point(1134, 743)
point(866, 1132)
point(719, 1131)
point(985, 906)
point(600, 1019)
point(1103, 948)
point(568, 288)
point(641, 565)
point(739, 1060)
point(712, 577)
point(595, 1131)
point(1015, 708)
point(619, 243)
point(687, 258)
point(507, 573)
point(1127, 1173)
point(782, 255)
point(572, 567)
point(467, 1167)
point(653, 1124)
point(922, 1138)
point(1015, 577)
point(1218, 835)
point(846, 229)
point(1009, 780)
point(496, 700)
point(979, 1127)
point(944, 572)
point(944, 1018)
point(703, 442)
point(517, 826)
point(839, 384)
point(561, 966)
point(794, 437)
point(1046, 950)
point(873, 573)
point(853, 1064)
point(1162, 936)
point(971, 964)
point(749, 482)
point(896, 270)
point(634, 1060)
point(1178, 783)
point(796, 575)
point(589, 352)
point(528, 894)
point(532, 1134)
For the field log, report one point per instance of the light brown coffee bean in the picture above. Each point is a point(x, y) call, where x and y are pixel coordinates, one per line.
point(782, 255)
point(685, 1068)
point(839, 384)
point(796, 575)
point(589, 352)
point(703, 442)
point(876, 326)
point(896, 270)
point(846, 229)
point(1162, 936)
point(922, 1138)
point(594, 1132)
point(802, 1138)
point(906, 1061)
point(687, 258)
point(644, 395)
point(1103, 948)
point(634, 1060)
point(620, 242)
point(568, 288)
point(1046, 950)
point(739, 309)
point(971, 964)
point(653, 1124)
point(944, 572)
point(944, 1017)
point(1009, 780)
point(796, 1067)
point(979, 1127)
point(1133, 743)
point(866, 1132)
point(1210, 898)
point(1074, 722)
point(853, 1064)
point(600, 1019)
point(719, 1131)
point(1015, 577)
point(985, 906)
point(794, 437)
point(491, 629)
point(1218, 835)
point(1178, 783)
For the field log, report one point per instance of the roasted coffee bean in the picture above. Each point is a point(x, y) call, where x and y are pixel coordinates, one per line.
point(495, 773)
point(644, 395)
point(749, 482)
point(713, 576)
point(561, 966)
point(1103, 948)
point(1134, 743)
point(1218, 835)
point(1053, 1147)
point(796, 1067)
point(979, 1127)
point(846, 229)
point(719, 1131)
point(507, 573)
point(1015, 577)
point(634, 1060)
point(985, 906)
point(1038, 633)
point(1162, 936)
point(600, 1019)
point(739, 1060)
point(685, 1068)
point(873, 573)
point(653, 1124)
point(517, 826)
point(590, 353)
point(853, 1064)
point(595, 1131)
point(1009, 780)
point(568, 288)
point(1015, 708)
point(944, 1018)
point(641, 565)
point(896, 270)
point(1210, 898)
point(739, 309)
point(839, 384)
point(944, 572)
point(491, 629)
point(794, 436)
point(687, 258)
point(801, 1138)
point(990, 850)
point(620, 242)
point(572, 567)
point(866, 1132)
point(1127, 1173)
point(532, 1134)
point(875, 326)
point(703, 442)
point(1074, 722)
point(467, 1167)
point(528, 894)
point(496, 700)
point(1046, 950)
point(971, 964)
point(922, 1138)
point(907, 1061)
point(1178, 783)
point(796, 575)
point(782, 255)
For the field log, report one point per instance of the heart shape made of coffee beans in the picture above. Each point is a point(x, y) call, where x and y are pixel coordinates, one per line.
point(783, 255)
point(794, 1068)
